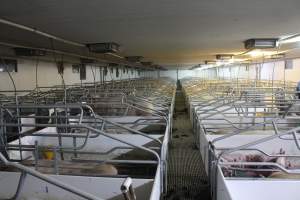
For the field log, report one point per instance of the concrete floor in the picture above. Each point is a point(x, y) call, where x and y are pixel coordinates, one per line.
point(186, 176)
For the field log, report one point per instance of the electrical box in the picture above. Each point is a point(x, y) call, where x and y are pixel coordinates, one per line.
point(109, 47)
point(29, 52)
point(134, 58)
point(87, 61)
point(147, 63)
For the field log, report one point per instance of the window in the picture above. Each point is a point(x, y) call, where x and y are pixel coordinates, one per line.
point(288, 64)
point(105, 71)
point(117, 72)
point(76, 69)
point(247, 68)
point(8, 65)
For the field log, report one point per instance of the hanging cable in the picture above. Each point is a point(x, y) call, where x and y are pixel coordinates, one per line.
point(36, 73)
point(10, 77)
point(60, 71)
point(17, 105)
point(94, 76)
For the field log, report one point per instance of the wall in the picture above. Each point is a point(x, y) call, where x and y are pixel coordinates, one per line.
point(181, 73)
point(48, 75)
point(268, 71)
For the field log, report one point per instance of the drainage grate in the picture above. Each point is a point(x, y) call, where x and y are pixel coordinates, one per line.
point(187, 179)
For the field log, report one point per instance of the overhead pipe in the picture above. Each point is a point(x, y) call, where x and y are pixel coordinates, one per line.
point(52, 51)
point(36, 31)
point(71, 55)
point(289, 37)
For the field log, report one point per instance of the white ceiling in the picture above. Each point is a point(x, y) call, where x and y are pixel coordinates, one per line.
point(169, 32)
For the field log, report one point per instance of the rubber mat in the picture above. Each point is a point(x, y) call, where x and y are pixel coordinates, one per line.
point(187, 179)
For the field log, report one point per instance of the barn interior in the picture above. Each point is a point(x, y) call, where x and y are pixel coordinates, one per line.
point(159, 100)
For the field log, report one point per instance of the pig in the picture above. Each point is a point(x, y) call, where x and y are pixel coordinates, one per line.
point(82, 169)
point(283, 175)
point(254, 158)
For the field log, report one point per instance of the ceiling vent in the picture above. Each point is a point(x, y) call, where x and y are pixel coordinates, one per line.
point(261, 43)
point(113, 64)
point(134, 58)
point(87, 61)
point(147, 63)
point(108, 47)
point(29, 52)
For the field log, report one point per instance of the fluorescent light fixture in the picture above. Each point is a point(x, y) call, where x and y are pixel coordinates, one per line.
point(196, 67)
point(219, 63)
point(212, 64)
point(290, 39)
point(207, 66)
point(114, 55)
point(200, 67)
point(259, 53)
point(277, 56)
point(224, 56)
point(209, 62)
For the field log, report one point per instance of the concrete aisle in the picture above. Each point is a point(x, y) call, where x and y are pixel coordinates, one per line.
point(186, 176)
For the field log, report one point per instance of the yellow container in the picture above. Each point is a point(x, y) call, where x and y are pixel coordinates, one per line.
point(48, 155)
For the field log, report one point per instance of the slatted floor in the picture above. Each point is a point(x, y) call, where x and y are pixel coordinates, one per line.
point(186, 176)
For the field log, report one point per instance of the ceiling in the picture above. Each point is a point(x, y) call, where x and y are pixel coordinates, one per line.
point(168, 32)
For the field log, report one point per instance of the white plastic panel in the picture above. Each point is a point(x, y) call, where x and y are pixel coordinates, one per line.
point(98, 144)
point(35, 189)
point(263, 189)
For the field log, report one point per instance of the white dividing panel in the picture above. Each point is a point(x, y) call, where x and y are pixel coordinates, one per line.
point(35, 189)
point(98, 144)
point(222, 188)
point(263, 189)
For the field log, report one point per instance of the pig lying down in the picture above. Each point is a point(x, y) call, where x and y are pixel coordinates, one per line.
point(269, 170)
point(68, 168)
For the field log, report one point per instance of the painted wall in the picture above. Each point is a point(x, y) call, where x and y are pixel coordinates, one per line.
point(268, 71)
point(48, 75)
point(172, 73)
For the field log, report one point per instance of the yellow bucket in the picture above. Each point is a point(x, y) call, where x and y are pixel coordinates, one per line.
point(48, 155)
point(259, 114)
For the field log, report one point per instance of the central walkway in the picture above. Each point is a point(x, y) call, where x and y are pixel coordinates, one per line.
point(186, 176)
